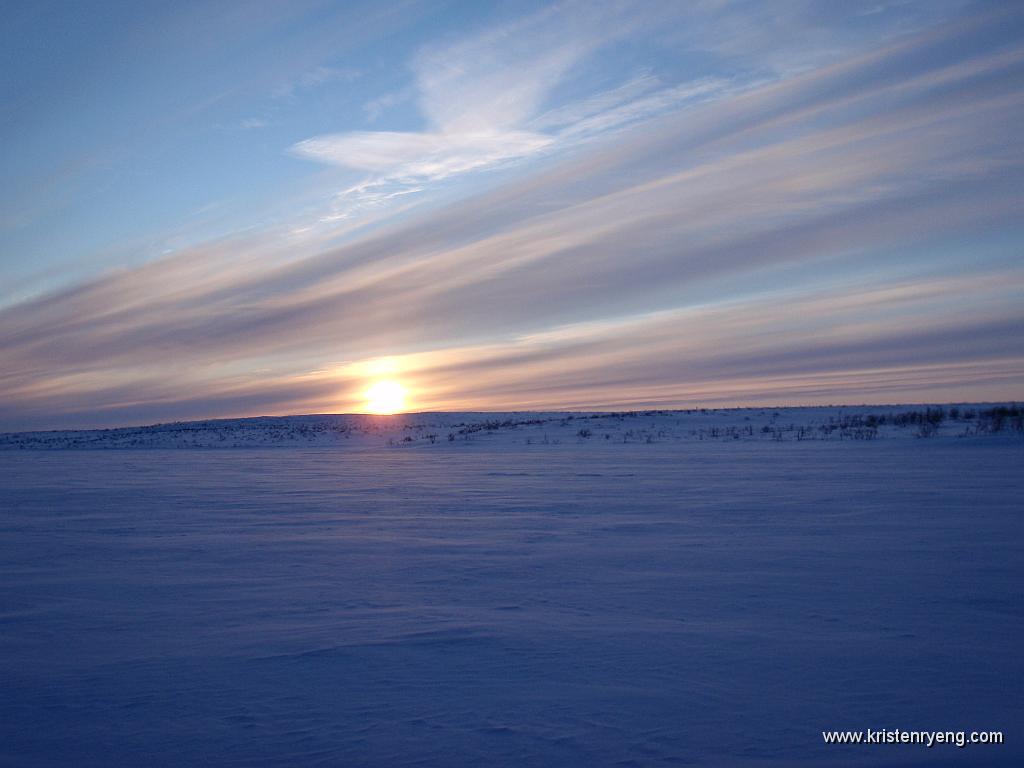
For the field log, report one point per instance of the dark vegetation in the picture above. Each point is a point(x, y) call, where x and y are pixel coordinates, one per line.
point(1002, 418)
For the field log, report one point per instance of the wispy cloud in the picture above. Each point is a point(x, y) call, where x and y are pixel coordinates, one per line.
point(412, 156)
point(377, 106)
point(483, 100)
point(827, 236)
point(252, 123)
point(314, 77)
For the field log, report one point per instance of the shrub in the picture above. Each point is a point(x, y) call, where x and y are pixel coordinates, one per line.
point(1001, 418)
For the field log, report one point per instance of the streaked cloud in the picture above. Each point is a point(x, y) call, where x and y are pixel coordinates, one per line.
point(316, 77)
point(252, 123)
point(837, 231)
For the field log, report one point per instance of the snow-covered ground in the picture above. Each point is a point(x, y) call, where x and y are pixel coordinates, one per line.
point(524, 428)
point(674, 588)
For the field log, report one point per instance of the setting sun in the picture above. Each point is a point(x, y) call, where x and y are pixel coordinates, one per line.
point(385, 397)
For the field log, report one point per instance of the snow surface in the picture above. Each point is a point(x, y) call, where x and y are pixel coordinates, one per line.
point(690, 590)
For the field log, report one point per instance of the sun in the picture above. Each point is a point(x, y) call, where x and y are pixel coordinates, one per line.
point(385, 397)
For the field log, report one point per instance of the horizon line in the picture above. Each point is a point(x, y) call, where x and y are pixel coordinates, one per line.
point(953, 403)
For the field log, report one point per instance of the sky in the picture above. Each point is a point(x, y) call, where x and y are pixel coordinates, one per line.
point(221, 209)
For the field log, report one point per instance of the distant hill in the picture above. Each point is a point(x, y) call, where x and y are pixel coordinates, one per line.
point(827, 423)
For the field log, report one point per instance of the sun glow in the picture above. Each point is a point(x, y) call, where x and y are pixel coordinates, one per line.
point(385, 396)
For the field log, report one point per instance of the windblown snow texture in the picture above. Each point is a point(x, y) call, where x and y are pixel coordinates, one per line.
point(689, 590)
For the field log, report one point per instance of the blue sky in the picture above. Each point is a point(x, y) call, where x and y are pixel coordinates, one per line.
point(224, 209)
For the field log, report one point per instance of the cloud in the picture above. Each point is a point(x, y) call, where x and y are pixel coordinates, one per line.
point(315, 77)
point(413, 157)
point(476, 97)
point(251, 123)
point(376, 107)
point(486, 99)
point(482, 100)
point(831, 236)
